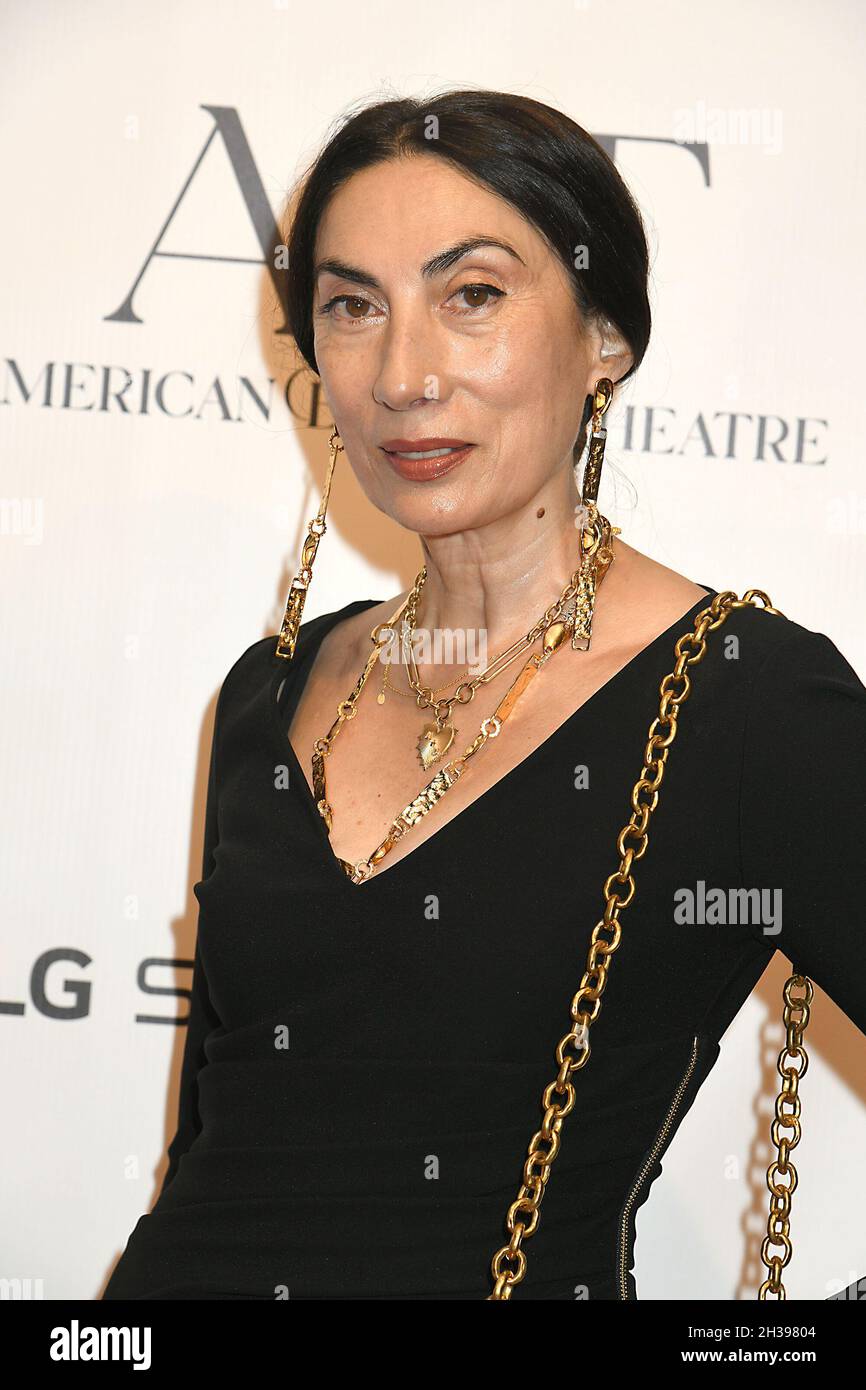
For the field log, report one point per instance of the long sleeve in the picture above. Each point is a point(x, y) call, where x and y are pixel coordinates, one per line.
point(202, 1015)
point(803, 811)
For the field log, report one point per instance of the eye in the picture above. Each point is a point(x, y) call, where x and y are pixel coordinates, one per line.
point(475, 290)
point(354, 300)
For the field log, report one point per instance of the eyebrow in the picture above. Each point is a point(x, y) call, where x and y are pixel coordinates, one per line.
point(443, 260)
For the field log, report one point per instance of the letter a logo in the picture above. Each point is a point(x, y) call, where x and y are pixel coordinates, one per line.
point(228, 126)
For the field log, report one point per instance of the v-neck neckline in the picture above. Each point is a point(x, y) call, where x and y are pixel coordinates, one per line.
point(305, 651)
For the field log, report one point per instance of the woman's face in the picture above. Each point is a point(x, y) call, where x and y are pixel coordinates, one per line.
point(488, 349)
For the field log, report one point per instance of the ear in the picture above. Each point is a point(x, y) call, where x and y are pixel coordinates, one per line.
point(610, 354)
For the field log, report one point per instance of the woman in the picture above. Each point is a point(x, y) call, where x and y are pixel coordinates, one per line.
point(375, 1015)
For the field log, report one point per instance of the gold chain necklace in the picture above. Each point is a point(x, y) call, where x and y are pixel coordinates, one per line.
point(436, 738)
point(387, 684)
point(574, 608)
point(561, 619)
point(422, 695)
point(447, 776)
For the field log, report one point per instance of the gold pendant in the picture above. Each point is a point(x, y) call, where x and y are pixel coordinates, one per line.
point(434, 743)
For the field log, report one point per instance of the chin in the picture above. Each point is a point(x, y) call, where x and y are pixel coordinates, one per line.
point(429, 518)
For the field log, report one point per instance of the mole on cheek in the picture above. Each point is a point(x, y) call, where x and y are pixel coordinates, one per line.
point(540, 512)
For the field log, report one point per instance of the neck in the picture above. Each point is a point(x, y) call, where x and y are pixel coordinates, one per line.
point(498, 580)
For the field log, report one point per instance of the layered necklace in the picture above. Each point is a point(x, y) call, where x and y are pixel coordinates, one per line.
point(569, 616)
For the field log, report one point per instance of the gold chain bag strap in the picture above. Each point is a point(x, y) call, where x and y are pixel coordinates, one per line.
point(508, 1265)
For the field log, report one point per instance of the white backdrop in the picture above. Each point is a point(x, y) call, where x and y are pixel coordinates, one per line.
point(147, 537)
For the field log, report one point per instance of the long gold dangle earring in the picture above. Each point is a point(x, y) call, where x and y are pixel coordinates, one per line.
point(301, 582)
point(596, 532)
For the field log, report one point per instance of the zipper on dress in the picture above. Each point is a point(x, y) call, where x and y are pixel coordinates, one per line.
point(658, 1145)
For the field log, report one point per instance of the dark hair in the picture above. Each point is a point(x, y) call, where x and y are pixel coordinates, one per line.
point(535, 157)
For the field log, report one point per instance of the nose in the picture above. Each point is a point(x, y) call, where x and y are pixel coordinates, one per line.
point(410, 370)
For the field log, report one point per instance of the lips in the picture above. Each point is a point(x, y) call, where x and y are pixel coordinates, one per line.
point(399, 453)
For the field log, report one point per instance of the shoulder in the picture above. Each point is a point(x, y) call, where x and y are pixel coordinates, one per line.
point(774, 646)
point(257, 663)
point(788, 688)
point(764, 677)
point(748, 641)
point(802, 773)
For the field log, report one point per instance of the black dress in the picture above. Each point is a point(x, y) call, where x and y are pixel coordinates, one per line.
point(364, 1063)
